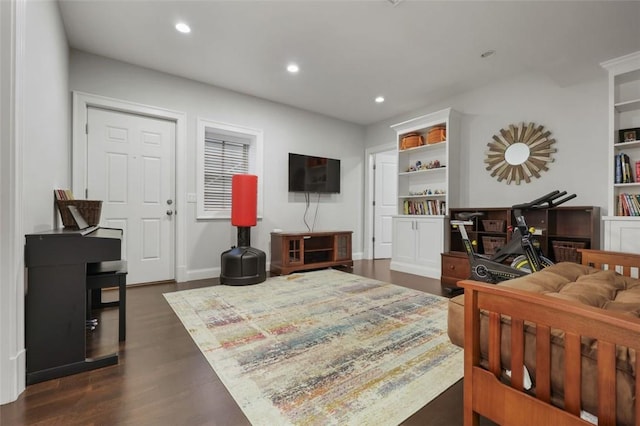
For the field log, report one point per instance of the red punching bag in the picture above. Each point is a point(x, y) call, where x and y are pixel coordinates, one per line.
point(243, 264)
point(244, 200)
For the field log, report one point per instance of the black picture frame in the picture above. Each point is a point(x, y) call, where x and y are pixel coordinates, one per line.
point(629, 135)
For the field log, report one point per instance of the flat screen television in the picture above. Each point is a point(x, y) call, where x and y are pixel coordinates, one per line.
point(313, 174)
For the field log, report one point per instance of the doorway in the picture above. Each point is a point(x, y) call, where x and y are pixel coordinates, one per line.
point(128, 156)
point(381, 200)
point(130, 168)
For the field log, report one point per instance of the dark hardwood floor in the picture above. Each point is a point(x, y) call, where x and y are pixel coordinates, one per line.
point(163, 379)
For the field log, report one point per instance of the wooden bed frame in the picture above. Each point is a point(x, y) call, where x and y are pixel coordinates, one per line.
point(507, 403)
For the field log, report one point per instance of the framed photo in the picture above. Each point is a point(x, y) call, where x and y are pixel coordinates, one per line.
point(629, 135)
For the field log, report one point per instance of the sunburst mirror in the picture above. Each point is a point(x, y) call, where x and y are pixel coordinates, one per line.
point(519, 152)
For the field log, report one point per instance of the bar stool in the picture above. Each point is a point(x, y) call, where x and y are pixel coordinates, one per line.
point(108, 274)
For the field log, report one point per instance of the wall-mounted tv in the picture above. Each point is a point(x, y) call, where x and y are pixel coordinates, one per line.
point(313, 174)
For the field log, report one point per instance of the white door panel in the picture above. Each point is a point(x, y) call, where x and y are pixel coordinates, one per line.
point(385, 195)
point(405, 249)
point(130, 168)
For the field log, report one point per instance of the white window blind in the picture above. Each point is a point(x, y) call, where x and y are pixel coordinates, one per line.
point(224, 150)
point(222, 160)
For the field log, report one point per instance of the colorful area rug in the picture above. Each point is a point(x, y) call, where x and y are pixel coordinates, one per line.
point(323, 347)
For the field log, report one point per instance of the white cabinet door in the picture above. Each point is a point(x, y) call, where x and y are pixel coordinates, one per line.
point(404, 239)
point(417, 245)
point(622, 234)
point(429, 240)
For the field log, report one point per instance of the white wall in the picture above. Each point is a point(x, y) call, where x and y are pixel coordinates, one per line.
point(35, 157)
point(285, 130)
point(46, 149)
point(575, 115)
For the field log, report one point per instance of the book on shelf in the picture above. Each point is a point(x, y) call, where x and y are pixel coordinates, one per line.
point(623, 169)
point(635, 203)
point(63, 194)
point(628, 204)
point(424, 207)
point(627, 177)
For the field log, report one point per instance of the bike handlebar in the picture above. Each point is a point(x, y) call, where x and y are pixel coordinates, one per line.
point(546, 201)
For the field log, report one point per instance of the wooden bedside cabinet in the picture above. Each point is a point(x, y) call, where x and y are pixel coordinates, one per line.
point(455, 267)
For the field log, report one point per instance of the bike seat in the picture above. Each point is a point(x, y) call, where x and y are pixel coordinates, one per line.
point(468, 215)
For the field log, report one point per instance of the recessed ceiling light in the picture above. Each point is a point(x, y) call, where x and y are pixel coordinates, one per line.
point(379, 99)
point(293, 68)
point(183, 28)
point(487, 53)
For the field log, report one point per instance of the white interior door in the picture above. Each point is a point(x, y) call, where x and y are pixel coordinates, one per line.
point(130, 167)
point(386, 199)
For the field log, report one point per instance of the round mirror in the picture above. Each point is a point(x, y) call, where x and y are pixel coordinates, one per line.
point(517, 153)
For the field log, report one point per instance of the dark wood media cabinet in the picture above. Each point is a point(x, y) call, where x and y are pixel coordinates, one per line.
point(302, 251)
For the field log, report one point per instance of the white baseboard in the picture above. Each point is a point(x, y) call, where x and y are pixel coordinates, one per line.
point(182, 274)
point(422, 270)
point(12, 386)
point(203, 274)
point(207, 273)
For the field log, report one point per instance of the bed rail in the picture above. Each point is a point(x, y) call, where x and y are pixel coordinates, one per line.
point(508, 403)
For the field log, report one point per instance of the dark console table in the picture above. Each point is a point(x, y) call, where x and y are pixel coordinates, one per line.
point(55, 301)
point(302, 251)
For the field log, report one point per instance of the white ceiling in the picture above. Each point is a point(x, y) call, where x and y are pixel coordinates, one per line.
point(349, 52)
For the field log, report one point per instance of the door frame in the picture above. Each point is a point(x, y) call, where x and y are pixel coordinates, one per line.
point(12, 124)
point(369, 155)
point(81, 102)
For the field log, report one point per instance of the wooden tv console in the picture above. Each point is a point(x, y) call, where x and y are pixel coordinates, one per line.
point(302, 251)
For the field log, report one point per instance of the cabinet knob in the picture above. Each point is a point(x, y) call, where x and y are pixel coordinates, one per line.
point(452, 267)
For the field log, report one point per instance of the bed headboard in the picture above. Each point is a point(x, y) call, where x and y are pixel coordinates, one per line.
point(627, 264)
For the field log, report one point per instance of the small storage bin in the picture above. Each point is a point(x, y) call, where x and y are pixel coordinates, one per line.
point(89, 209)
point(566, 251)
point(437, 134)
point(411, 140)
point(492, 244)
point(490, 225)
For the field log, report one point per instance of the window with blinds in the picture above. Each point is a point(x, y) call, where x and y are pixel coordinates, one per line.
point(224, 150)
point(222, 160)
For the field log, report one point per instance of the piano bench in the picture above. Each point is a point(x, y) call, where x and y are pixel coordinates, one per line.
point(103, 275)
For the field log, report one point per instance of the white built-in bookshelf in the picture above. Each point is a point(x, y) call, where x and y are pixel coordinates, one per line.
point(622, 223)
point(428, 185)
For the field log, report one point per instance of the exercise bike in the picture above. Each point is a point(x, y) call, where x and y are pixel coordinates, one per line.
point(523, 252)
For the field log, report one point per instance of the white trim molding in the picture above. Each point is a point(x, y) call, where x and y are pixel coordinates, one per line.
point(12, 344)
point(81, 103)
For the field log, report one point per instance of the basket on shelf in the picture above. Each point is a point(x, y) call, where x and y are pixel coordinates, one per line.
point(437, 134)
point(89, 209)
point(492, 244)
point(491, 225)
point(567, 251)
point(411, 140)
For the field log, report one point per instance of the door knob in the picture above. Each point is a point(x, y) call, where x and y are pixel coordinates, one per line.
point(169, 212)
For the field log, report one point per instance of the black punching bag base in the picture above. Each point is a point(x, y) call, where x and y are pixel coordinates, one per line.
point(243, 266)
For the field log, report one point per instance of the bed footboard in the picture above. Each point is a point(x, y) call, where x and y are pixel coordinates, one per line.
point(506, 402)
